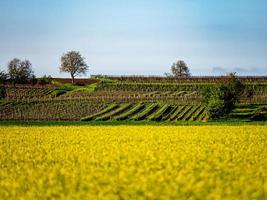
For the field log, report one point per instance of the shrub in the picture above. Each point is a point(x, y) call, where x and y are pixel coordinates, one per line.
point(45, 80)
point(220, 99)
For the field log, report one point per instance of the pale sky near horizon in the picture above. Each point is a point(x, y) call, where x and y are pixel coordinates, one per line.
point(137, 37)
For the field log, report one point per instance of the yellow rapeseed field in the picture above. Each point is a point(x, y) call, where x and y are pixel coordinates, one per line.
point(133, 162)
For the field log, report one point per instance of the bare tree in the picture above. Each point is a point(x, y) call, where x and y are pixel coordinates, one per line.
point(180, 69)
point(20, 71)
point(73, 63)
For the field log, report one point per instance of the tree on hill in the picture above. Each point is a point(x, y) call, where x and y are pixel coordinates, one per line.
point(220, 99)
point(180, 69)
point(73, 63)
point(20, 71)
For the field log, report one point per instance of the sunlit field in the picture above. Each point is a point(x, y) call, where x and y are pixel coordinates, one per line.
point(133, 162)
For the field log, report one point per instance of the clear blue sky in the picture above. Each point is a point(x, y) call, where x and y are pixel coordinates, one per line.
point(122, 37)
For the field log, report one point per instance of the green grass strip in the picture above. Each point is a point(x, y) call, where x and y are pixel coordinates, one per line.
point(109, 108)
point(172, 111)
point(197, 113)
point(177, 112)
point(150, 108)
point(202, 116)
point(159, 112)
point(135, 109)
point(183, 114)
point(123, 107)
point(191, 112)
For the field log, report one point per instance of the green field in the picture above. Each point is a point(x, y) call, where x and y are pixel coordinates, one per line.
point(133, 99)
point(133, 162)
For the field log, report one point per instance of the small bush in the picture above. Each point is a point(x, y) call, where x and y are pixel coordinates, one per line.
point(220, 99)
point(45, 80)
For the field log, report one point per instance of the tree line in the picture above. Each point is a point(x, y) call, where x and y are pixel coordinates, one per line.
point(72, 62)
point(21, 72)
point(219, 99)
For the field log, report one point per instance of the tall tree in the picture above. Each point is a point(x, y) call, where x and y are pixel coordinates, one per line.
point(73, 63)
point(180, 69)
point(20, 71)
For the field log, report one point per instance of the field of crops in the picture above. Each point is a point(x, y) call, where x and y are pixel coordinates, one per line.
point(133, 162)
point(23, 92)
point(48, 109)
point(138, 98)
point(149, 111)
point(142, 88)
point(88, 110)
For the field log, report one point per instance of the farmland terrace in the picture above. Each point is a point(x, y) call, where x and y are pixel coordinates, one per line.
point(104, 98)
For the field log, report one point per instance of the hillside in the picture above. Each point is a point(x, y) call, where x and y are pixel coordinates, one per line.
point(135, 98)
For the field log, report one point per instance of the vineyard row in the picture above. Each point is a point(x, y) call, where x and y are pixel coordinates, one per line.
point(149, 111)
